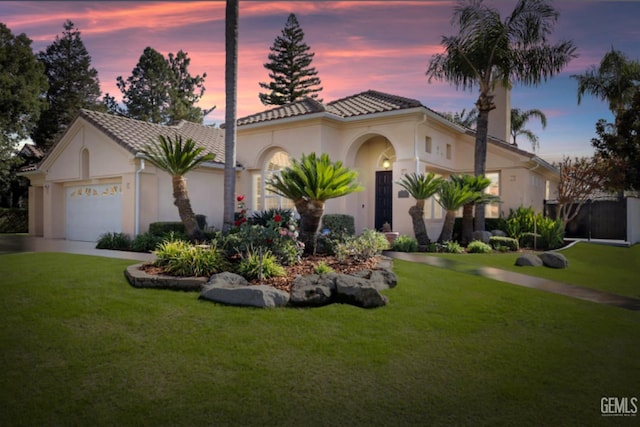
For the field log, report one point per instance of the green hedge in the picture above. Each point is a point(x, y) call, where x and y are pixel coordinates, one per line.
point(163, 227)
point(14, 220)
point(339, 222)
point(497, 241)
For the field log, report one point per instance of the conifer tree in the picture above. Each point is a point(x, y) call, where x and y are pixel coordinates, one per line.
point(292, 77)
point(160, 90)
point(73, 84)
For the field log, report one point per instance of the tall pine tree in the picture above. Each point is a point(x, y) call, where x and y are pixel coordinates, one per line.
point(292, 77)
point(73, 84)
point(160, 90)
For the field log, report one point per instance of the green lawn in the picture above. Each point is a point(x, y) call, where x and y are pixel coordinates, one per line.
point(608, 268)
point(82, 347)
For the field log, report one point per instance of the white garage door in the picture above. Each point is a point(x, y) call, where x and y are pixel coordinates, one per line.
point(93, 210)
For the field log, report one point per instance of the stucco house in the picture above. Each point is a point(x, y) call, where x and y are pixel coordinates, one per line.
point(94, 179)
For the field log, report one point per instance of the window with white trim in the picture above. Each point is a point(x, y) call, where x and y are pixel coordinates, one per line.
point(262, 198)
point(493, 209)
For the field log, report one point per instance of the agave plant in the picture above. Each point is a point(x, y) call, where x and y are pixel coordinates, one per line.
point(421, 187)
point(177, 158)
point(309, 183)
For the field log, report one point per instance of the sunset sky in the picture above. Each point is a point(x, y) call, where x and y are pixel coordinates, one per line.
point(385, 46)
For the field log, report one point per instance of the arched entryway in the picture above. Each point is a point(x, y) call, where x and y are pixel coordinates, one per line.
point(373, 157)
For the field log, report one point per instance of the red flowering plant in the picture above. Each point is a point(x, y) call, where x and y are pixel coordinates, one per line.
point(241, 216)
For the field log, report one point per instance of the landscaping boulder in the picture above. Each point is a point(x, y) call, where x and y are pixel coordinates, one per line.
point(529, 260)
point(231, 289)
point(554, 260)
point(313, 290)
point(358, 291)
point(380, 278)
point(482, 236)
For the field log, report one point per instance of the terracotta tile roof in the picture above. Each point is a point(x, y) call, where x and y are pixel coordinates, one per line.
point(134, 135)
point(298, 108)
point(368, 102)
point(31, 151)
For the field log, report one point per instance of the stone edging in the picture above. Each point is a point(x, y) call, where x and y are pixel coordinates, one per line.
point(140, 279)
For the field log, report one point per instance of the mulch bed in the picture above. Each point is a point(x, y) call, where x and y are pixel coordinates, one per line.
point(303, 268)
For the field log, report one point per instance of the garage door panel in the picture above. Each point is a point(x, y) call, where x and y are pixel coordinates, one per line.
point(93, 210)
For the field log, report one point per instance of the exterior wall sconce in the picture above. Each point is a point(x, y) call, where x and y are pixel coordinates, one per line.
point(386, 164)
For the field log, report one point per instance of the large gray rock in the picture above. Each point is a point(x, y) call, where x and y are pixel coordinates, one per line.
point(231, 289)
point(554, 260)
point(482, 236)
point(313, 290)
point(358, 291)
point(381, 279)
point(140, 279)
point(498, 233)
point(529, 260)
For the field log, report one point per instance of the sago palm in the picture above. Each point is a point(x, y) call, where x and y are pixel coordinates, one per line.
point(309, 183)
point(477, 184)
point(420, 187)
point(488, 52)
point(177, 158)
point(452, 195)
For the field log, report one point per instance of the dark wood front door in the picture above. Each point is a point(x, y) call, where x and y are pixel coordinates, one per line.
point(384, 199)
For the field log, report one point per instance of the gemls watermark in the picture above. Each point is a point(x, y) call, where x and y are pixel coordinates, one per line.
point(619, 406)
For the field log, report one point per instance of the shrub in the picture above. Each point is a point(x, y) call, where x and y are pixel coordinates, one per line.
point(405, 244)
point(115, 241)
point(478, 247)
point(163, 227)
point(520, 221)
point(368, 245)
point(259, 265)
point(507, 242)
point(145, 242)
point(266, 218)
point(551, 231)
point(452, 247)
point(531, 241)
point(322, 268)
point(281, 240)
point(14, 220)
point(328, 240)
point(180, 258)
point(339, 223)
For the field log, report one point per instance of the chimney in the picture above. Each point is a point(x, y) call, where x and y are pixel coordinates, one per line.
point(500, 117)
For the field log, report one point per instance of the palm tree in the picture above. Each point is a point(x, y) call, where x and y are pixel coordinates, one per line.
point(177, 158)
point(452, 195)
point(463, 118)
point(613, 81)
point(421, 187)
point(309, 183)
point(519, 119)
point(488, 52)
point(477, 184)
point(231, 99)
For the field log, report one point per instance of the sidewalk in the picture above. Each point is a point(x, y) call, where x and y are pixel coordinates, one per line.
point(519, 279)
point(24, 243)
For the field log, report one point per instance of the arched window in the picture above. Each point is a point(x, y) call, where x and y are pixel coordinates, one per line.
point(84, 172)
point(264, 199)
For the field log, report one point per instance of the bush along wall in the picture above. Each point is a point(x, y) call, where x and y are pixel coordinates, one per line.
point(14, 220)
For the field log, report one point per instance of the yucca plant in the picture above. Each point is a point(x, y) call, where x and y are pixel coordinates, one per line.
point(309, 183)
point(177, 158)
point(420, 187)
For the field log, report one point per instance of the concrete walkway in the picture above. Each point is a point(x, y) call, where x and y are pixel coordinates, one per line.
point(23, 243)
point(519, 279)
